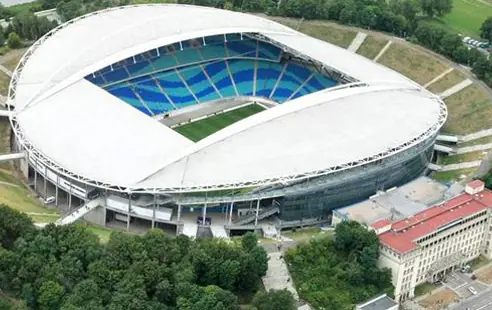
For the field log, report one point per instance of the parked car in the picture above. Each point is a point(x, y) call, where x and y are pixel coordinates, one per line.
point(49, 200)
point(472, 290)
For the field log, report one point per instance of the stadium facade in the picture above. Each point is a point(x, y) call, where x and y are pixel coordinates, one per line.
point(96, 116)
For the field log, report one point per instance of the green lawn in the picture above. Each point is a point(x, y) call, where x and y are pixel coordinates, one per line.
point(424, 288)
point(200, 129)
point(467, 16)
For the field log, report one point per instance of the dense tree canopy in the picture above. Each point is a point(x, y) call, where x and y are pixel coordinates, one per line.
point(274, 300)
point(65, 267)
point(436, 7)
point(340, 272)
point(486, 29)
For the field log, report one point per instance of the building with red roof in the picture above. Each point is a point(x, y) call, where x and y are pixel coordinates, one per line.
point(425, 246)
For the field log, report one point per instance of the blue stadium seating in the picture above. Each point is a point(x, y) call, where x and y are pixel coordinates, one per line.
point(268, 51)
point(218, 72)
point(176, 90)
point(267, 74)
point(204, 69)
point(199, 84)
point(125, 93)
point(242, 71)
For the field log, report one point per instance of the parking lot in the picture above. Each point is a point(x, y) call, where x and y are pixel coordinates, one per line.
point(462, 284)
point(481, 301)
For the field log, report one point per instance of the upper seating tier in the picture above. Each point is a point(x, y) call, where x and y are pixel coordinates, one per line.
point(206, 69)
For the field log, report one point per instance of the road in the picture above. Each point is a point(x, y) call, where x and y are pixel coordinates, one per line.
point(482, 301)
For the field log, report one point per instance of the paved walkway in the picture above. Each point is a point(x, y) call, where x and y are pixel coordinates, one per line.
point(8, 184)
point(278, 276)
point(474, 148)
point(6, 71)
point(437, 78)
point(357, 42)
point(382, 51)
point(465, 165)
point(456, 88)
point(476, 135)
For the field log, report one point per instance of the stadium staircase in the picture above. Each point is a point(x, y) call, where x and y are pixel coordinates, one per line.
point(219, 232)
point(261, 215)
point(190, 230)
point(80, 212)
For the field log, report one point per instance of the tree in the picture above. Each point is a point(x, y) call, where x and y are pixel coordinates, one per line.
point(254, 5)
point(486, 29)
point(450, 42)
point(13, 224)
point(50, 296)
point(274, 300)
point(65, 267)
point(249, 241)
point(14, 40)
point(436, 7)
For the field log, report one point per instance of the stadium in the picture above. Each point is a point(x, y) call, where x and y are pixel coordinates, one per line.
point(194, 118)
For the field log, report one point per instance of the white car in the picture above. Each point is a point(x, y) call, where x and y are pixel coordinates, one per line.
point(49, 200)
point(472, 290)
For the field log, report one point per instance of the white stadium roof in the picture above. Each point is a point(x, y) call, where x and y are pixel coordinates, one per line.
point(80, 130)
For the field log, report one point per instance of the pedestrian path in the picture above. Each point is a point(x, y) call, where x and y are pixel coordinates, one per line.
point(476, 135)
point(357, 42)
point(437, 78)
point(456, 88)
point(465, 165)
point(474, 148)
point(277, 276)
point(383, 50)
point(6, 71)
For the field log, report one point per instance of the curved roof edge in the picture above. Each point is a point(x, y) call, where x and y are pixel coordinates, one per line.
point(130, 51)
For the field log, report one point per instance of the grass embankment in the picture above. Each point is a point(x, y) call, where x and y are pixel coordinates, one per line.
point(14, 193)
point(469, 110)
point(371, 47)
point(307, 234)
point(462, 158)
point(413, 63)
point(4, 83)
point(449, 80)
point(319, 29)
point(200, 129)
point(448, 176)
point(102, 233)
point(12, 58)
point(484, 140)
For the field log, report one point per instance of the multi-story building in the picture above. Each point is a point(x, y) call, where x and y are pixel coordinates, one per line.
point(424, 247)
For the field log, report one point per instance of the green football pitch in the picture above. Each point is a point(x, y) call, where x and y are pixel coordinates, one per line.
point(200, 129)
